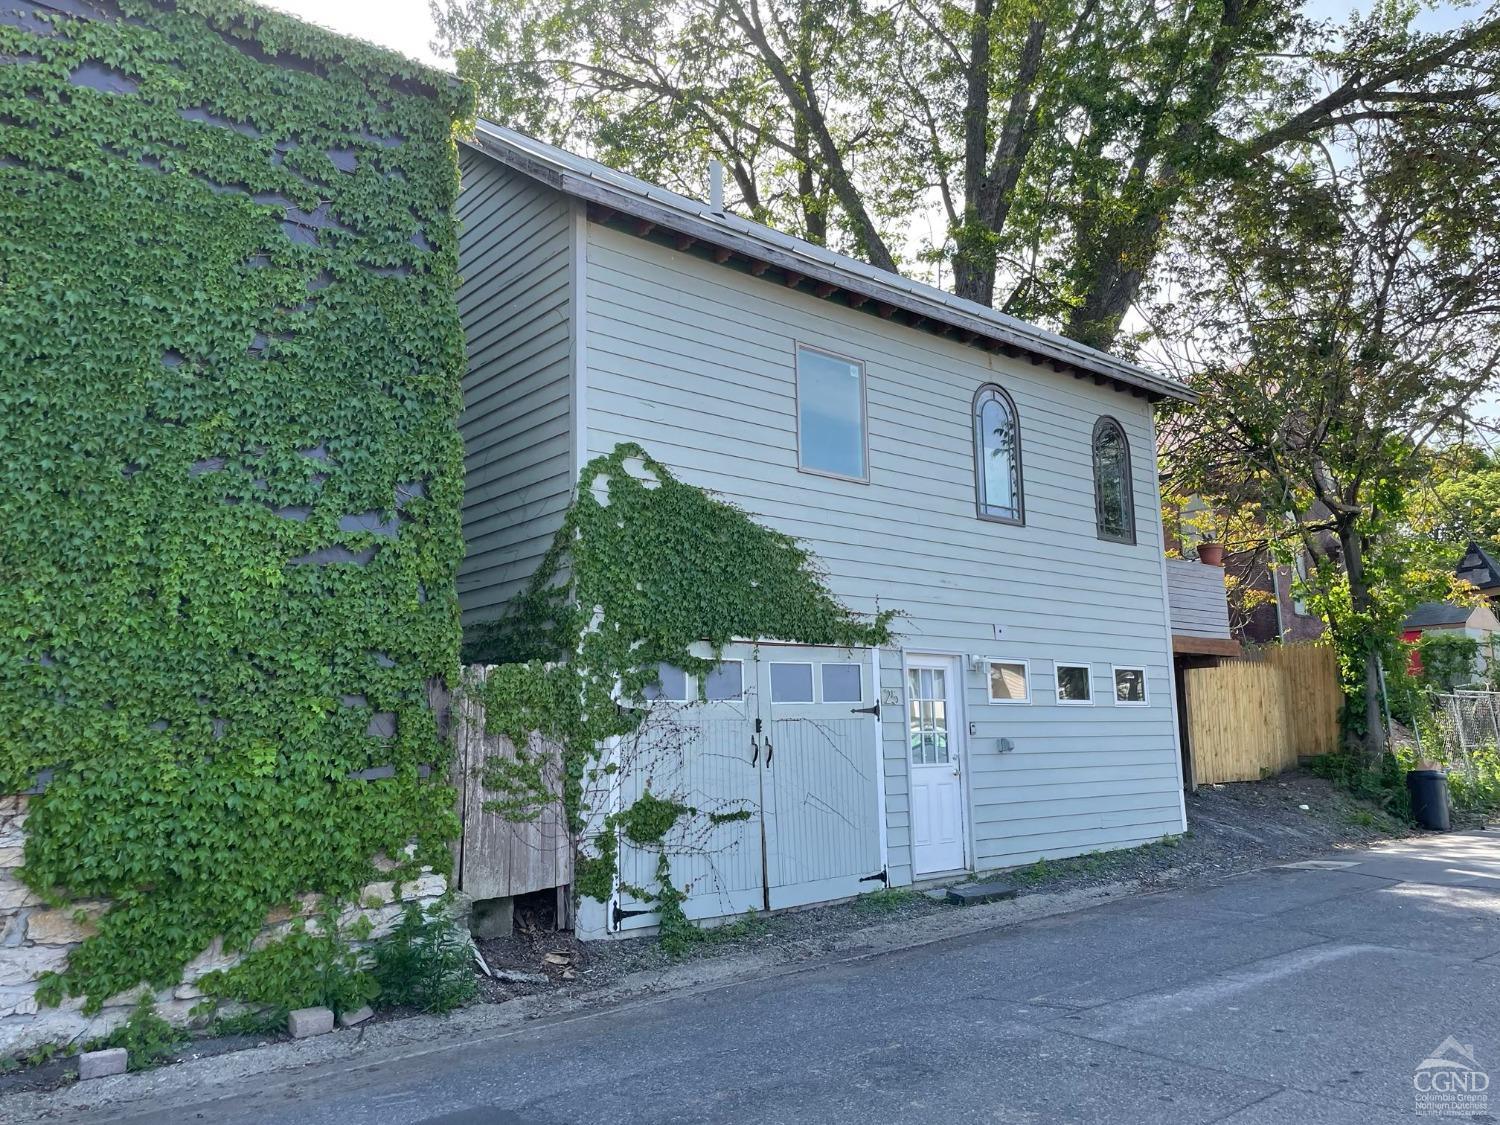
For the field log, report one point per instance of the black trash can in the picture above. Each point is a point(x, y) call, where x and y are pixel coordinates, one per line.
point(1429, 798)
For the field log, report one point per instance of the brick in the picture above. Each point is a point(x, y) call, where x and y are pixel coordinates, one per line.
point(18, 1000)
point(358, 1016)
point(428, 886)
point(13, 928)
point(309, 1021)
point(59, 927)
point(23, 964)
point(15, 894)
point(13, 831)
point(101, 1064)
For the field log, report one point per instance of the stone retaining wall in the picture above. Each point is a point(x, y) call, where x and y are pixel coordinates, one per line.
point(35, 939)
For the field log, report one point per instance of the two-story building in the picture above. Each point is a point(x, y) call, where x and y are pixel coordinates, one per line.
point(993, 481)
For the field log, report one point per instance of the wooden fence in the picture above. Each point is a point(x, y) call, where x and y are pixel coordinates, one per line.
point(1253, 717)
point(497, 856)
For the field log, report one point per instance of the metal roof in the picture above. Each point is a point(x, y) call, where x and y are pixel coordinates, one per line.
point(596, 183)
point(1438, 613)
point(1478, 567)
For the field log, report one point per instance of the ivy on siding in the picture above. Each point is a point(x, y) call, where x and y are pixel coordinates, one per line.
point(231, 479)
point(644, 569)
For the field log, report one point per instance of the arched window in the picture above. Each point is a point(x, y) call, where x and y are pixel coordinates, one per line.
point(1114, 496)
point(997, 456)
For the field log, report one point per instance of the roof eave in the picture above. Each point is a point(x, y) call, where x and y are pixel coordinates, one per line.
point(1059, 352)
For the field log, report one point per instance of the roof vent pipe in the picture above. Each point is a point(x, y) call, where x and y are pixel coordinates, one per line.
point(715, 185)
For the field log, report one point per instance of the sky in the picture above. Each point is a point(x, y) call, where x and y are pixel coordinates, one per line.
point(406, 25)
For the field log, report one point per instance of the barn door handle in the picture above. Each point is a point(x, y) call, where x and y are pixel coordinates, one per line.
point(754, 750)
point(769, 751)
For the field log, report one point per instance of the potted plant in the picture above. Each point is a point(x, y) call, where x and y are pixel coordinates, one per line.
point(1211, 553)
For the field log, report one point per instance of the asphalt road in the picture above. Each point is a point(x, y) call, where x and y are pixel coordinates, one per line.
point(1289, 996)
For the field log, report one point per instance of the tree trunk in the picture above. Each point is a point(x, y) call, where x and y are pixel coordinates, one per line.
point(1360, 602)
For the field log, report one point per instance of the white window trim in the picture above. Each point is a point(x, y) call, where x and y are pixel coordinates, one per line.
point(1025, 672)
point(818, 679)
point(811, 665)
point(689, 696)
point(701, 684)
point(1058, 666)
point(1145, 700)
point(864, 409)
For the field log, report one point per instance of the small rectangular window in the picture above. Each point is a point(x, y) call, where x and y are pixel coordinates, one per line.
point(791, 683)
point(1009, 682)
point(725, 681)
point(671, 684)
point(831, 415)
point(842, 683)
point(1074, 684)
point(1130, 686)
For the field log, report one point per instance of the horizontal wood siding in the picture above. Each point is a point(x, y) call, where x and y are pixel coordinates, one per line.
point(1200, 607)
point(516, 241)
point(696, 362)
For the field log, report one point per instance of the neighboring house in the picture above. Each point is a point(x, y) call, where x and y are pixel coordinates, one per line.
point(993, 481)
point(1282, 615)
point(1477, 622)
point(1479, 569)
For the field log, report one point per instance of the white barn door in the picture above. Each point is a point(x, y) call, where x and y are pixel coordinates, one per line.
point(787, 736)
point(821, 775)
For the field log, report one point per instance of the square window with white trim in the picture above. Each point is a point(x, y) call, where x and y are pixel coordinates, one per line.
point(726, 680)
point(1075, 684)
point(791, 683)
point(842, 683)
point(1010, 681)
point(1130, 687)
point(671, 685)
point(831, 430)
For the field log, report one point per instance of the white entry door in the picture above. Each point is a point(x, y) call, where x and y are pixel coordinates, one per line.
point(937, 784)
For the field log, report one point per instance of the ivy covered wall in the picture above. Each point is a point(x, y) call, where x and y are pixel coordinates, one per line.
point(229, 471)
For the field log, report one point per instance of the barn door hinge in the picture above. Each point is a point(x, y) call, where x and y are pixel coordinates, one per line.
point(620, 915)
point(879, 877)
point(874, 710)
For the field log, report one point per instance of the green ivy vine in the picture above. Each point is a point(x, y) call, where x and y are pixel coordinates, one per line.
point(229, 512)
point(644, 568)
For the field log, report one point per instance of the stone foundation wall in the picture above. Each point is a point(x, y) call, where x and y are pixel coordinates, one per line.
point(35, 939)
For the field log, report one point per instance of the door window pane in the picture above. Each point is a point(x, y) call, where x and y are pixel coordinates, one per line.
point(671, 684)
point(830, 414)
point(1073, 684)
point(927, 695)
point(1130, 685)
point(1008, 682)
point(791, 683)
point(725, 681)
point(842, 683)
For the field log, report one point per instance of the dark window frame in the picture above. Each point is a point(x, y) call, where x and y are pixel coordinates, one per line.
point(1103, 426)
point(985, 394)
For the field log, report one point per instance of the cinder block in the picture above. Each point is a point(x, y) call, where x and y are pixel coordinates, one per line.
point(309, 1021)
point(101, 1064)
point(493, 918)
point(359, 1015)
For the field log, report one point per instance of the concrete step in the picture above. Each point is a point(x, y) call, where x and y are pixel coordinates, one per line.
point(968, 894)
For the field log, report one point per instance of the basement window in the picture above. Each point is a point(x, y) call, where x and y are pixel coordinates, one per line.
point(1130, 687)
point(1010, 682)
point(1074, 684)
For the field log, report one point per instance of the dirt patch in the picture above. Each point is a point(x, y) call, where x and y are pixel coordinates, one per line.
point(1230, 828)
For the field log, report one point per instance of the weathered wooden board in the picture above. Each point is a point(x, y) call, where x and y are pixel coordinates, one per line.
point(497, 855)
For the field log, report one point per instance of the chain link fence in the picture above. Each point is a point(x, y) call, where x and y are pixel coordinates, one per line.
point(1468, 724)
